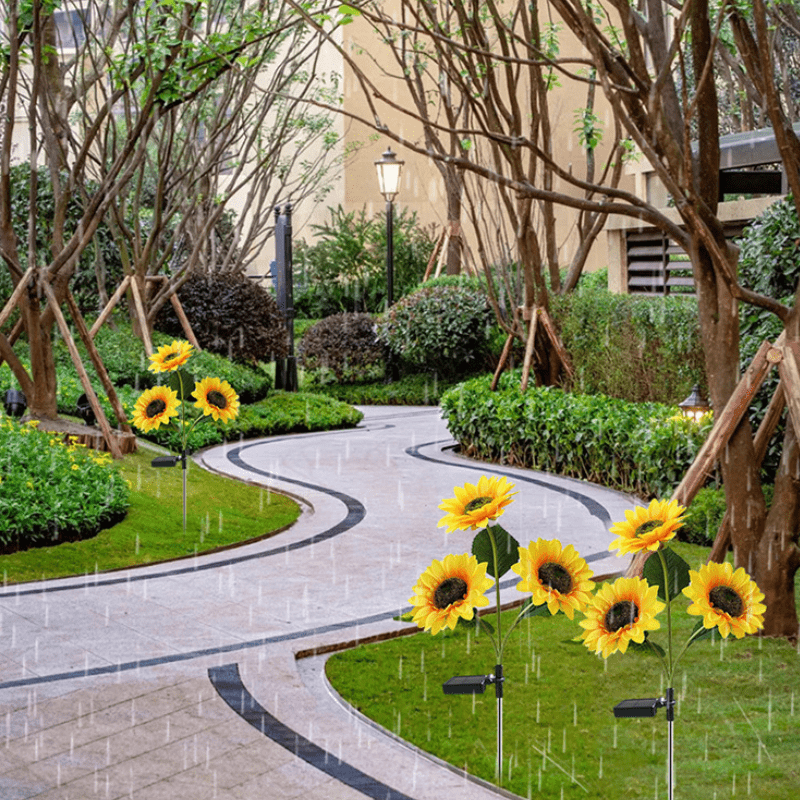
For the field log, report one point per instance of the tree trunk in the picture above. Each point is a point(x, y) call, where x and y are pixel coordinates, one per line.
point(454, 188)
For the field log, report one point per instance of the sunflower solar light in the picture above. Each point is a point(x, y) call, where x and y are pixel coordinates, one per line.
point(165, 404)
point(450, 590)
point(622, 614)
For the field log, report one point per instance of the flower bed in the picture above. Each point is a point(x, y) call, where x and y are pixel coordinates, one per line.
point(51, 492)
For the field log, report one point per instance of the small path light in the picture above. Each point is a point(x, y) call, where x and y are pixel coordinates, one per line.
point(15, 402)
point(695, 405)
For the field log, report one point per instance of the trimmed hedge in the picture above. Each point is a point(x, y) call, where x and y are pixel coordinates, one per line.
point(641, 448)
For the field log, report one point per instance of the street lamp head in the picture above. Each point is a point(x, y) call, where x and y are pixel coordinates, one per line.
point(695, 405)
point(389, 169)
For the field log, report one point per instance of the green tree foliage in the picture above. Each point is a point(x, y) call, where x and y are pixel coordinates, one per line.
point(344, 269)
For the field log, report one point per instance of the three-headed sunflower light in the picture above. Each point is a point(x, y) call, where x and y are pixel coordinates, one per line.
point(450, 590)
point(165, 404)
point(624, 613)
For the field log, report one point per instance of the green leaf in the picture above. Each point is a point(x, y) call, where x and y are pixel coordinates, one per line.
point(699, 632)
point(647, 646)
point(530, 610)
point(507, 550)
point(181, 382)
point(476, 623)
point(677, 570)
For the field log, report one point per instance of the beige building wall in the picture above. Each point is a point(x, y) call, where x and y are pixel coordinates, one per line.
point(422, 188)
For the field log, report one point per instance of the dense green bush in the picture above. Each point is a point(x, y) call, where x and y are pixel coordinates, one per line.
point(643, 448)
point(635, 348)
point(51, 492)
point(345, 346)
point(230, 315)
point(443, 329)
point(704, 517)
point(409, 390)
point(345, 268)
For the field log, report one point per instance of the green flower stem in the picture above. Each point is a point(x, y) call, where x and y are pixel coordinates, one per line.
point(500, 641)
point(671, 665)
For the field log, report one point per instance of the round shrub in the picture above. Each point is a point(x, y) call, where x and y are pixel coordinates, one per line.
point(704, 517)
point(443, 328)
point(51, 492)
point(230, 315)
point(344, 344)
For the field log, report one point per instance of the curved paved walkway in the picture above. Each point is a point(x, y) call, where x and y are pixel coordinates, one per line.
point(181, 680)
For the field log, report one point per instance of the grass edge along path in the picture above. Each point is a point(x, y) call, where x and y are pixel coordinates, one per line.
point(220, 512)
point(737, 729)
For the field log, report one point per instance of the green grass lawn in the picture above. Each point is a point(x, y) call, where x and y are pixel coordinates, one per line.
point(737, 730)
point(220, 512)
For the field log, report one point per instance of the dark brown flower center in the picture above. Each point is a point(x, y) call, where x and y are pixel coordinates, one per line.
point(646, 527)
point(449, 591)
point(478, 502)
point(726, 599)
point(555, 576)
point(620, 615)
point(154, 408)
point(215, 398)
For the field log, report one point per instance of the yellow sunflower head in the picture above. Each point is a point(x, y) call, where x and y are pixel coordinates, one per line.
point(646, 528)
point(475, 506)
point(554, 575)
point(155, 407)
point(217, 398)
point(448, 590)
point(170, 356)
point(725, 599)
point(620, 613)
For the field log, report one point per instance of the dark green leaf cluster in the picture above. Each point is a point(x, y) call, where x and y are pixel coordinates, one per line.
point(230, 315)
point(51, 493)
point(409, 390)
point(345, 268)
point(345, 345)
point(642, 448)
point(444, 329)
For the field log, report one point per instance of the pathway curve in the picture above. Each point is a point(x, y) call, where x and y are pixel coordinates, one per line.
point(181, 680)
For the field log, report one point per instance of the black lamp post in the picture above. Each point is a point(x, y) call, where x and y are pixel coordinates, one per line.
point(389, 169)
point(15, 403)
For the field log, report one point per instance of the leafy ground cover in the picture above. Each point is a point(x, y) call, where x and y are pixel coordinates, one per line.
point(737, 729)
point(220, 512)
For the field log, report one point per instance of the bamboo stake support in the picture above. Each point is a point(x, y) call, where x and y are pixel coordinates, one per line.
point(502, 363)
point(113, 446)
point(184, 320)
point(432, 259)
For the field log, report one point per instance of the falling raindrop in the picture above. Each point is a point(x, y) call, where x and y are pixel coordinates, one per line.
point(705, 757)
point(791, 706)
point(574, 712)
point(733, 785)
point(699, 695)
point(537, 712)
point(564, 741)
point(136, 550)
point(769, 711)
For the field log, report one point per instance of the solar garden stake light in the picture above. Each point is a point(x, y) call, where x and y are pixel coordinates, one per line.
point(450, 590)
point(161, 406)
point(622, 615)
point(647, 707)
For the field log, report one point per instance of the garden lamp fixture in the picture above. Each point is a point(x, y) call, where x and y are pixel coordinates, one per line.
point(695, 405)
point(476, 684)
point(15, 402)
point(389, 169)
point(647, 707)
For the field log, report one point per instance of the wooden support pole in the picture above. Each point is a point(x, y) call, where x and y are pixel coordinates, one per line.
point(766, 429)
point(501, 364)
point(105, 313)
point(97, 361)
point(15, 296)
point(432, 259)
point(142, 317)
point(108, 434)
point(790, 378)
point(526, 364)
point(184, 320)
point(555, 340)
